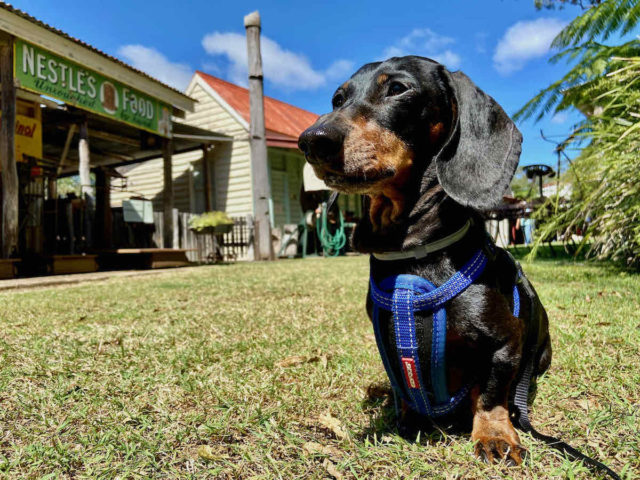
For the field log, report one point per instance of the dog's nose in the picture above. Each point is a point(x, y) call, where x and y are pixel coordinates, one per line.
point(320, 143)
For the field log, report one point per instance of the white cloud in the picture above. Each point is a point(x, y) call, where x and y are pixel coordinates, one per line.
point(151, 61)
point(340, 69)
point(559, 118)
point(525, 41)
point(282, 67)
point(427, 43)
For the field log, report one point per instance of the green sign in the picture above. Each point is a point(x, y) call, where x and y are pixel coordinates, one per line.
point(44, 72)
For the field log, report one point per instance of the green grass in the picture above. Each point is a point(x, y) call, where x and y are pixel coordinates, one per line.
point(188, 375)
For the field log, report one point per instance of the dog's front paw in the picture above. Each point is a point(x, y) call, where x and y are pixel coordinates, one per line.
point(493, 449)
point(495, 438)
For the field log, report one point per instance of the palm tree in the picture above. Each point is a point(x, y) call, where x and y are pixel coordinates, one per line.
point(603, 83)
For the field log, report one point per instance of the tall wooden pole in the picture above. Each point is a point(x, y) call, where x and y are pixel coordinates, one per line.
point(259, 167)
point(167, 193)
point(8, 151)
point(84, 172)
point(84, 161)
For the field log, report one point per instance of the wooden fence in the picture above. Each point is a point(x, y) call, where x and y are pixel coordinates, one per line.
point(235, 245)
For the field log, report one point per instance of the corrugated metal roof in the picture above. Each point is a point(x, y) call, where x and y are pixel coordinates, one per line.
point(279, 117)
point(30, 18)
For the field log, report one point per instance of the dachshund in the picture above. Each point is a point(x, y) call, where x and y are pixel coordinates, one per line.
point(428, 151)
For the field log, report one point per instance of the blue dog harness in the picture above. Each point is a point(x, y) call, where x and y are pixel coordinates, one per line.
point(426, 392)
point(402, 295)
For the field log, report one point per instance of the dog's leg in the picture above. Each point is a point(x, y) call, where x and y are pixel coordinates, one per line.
point(493, 433)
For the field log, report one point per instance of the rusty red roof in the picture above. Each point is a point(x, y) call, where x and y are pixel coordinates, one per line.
point(284, 122)
point(32, 19)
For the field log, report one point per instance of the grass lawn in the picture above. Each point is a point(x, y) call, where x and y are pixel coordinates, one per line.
point(262, 371)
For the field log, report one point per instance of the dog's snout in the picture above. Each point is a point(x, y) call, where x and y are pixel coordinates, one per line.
point(321, 143)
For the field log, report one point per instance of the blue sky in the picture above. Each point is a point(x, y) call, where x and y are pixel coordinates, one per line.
point(311, 47)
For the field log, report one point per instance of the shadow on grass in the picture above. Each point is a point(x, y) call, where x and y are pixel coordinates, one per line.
point(412, 427)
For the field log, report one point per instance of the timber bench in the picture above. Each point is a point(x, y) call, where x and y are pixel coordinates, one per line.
point(143, 258)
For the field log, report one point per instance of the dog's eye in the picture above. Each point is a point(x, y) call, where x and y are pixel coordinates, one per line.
point(338, 100)
point(396, 88)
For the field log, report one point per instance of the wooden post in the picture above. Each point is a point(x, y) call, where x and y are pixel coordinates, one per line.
point(67, 146)
point(175, 228)
point(103, 209)
point(206, 178)
point(8, 151)
point(167, 193)
point(52, 188)
point(84, 166)
point(86, 189)
point(259, 168)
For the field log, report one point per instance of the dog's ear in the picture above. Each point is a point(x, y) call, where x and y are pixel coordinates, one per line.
point(478, 160)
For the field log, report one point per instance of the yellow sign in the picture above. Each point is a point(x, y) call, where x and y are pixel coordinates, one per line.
point(28, 130)
point(28, 138)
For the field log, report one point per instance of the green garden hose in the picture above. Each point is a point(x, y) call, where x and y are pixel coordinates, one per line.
point(331, 243)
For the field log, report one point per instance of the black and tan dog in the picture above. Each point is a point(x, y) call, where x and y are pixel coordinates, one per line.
point(427, 149)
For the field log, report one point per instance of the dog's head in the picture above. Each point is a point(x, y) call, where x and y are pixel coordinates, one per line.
point(391, 120)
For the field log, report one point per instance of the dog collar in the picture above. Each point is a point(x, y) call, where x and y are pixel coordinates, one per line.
point(422, 251)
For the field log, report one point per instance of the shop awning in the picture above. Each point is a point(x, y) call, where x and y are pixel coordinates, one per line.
point(112, 143)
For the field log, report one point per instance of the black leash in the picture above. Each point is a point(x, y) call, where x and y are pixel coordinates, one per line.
point(520, 402)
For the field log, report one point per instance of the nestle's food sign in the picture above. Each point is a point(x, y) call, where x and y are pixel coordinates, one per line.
point(44, 72)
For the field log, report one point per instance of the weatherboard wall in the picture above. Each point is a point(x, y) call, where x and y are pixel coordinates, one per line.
point(230, 167)
point(231, 170)
point(146, 180)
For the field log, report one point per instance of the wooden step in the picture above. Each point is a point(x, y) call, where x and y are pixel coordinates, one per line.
point(144, 258)
point(61, 264)
point(8, 267)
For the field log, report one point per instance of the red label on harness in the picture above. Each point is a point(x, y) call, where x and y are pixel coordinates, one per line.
point(410, 373)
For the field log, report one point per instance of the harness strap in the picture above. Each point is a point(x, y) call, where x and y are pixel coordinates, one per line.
point(403, 295)
point(435, 298)
point(407, 349)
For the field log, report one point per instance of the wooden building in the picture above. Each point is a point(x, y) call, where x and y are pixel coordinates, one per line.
point(70, 109)
point(224, 107)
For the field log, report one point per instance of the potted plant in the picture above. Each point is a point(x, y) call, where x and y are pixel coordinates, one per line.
point(215, 222)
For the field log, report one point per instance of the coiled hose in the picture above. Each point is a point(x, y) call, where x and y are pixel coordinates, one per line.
point(332, 243)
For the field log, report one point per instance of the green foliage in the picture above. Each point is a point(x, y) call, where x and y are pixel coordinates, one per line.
point(522, 187)
point(560, 4)
point(67, 185)
point(601, 21)
point(576, 88)
point(590, 58)
point(603, 83)
point(609, 201)
point(210, 220)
